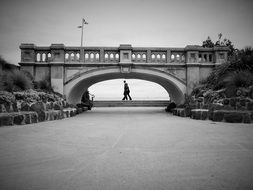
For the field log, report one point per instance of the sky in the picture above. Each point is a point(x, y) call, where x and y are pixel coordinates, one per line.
point(142, 23)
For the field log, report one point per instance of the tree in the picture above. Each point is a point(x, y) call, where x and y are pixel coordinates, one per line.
point(225, 42)
point(208, 43)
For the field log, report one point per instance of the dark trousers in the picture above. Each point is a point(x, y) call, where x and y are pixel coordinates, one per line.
point(126, 94)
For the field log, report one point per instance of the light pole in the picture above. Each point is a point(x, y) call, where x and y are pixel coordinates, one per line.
point(83, 23)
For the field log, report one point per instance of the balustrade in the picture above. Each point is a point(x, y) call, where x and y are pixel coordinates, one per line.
point(177, 57)
point(61, 53)
point(140, 57)
point(111, 56)
point(91, 56)
point(43, 57)
point(72, 56)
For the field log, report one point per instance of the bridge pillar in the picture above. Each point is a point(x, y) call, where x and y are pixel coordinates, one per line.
point(192, 76)
point(57, 67)
point(28, 57)
point(57, 78)
point(192, 70)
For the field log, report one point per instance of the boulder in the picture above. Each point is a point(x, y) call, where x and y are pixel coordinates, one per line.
point(199, 114)
point(233, 102)
point(19, 119)
point(57, 106)
point(25, 106)
point(6, 119)
point(226, 101)
point(247, 118)
point(49, 105)
point(251, 93)
point(217, 115)
point(15, 107)
point(2, 108)
point(8, 107)
point(40, 108)
point(243, 102)
point(28, 118)
point(234, 117)
point(249, 106)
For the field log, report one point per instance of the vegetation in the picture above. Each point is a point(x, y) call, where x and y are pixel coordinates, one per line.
point(6, 65)
point(15, 80)
point(230, 79)
point(238, 70)
point(43, 85)
point(220, 42)
point(12, 79)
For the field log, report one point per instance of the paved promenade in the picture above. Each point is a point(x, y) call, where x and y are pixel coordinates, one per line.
point(127, 148)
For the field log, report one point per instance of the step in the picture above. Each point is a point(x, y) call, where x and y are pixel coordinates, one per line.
point(134, 103)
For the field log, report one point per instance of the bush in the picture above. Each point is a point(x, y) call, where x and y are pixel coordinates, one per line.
point(43, 85)
point(241, 61)
point(28, 74)
point(171, 106)
point(15, 80)
point(238, 79)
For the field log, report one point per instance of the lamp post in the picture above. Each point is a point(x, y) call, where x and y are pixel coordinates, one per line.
point(83, 23)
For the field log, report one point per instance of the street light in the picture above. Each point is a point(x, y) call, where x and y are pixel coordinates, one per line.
point(83, 23)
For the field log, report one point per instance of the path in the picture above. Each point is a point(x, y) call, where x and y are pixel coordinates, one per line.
point(126, 148)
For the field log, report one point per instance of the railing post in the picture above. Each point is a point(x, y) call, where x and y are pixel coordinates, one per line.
point(148, 56)
point(168, 56)
point(102, 55)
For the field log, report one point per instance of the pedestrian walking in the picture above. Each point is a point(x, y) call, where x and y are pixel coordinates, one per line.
point(126, 92)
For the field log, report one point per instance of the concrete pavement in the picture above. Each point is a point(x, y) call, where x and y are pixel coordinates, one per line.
point(127, 148)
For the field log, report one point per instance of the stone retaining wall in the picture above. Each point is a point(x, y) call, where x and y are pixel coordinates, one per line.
point(221, 115)
point(23, 113)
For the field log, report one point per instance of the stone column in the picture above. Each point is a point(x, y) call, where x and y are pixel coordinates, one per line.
point(168, 56)
point(81, 55)
point(148, 56)
point(102, 55)
point(57, 67)
point(57, 75)
point(192, 76)
point(192, 71)
point(28, 57)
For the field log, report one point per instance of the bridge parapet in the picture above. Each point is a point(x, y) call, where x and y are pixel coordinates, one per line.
point(58, 53)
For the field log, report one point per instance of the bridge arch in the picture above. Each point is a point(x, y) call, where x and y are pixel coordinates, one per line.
point(75, 87)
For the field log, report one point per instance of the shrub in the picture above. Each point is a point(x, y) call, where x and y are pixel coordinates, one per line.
point(43, 85)
point(171, 106)
point(6, 65)
point(15, 80)
point(241, 61)
point(28, 74)
point(238, 79)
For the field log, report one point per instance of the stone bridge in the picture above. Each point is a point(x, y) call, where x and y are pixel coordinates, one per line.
point(72, 70)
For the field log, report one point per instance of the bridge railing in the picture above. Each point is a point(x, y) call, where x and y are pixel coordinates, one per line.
point(58, 53)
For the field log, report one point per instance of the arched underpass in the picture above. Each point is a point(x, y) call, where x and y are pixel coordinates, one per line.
point(75, 87)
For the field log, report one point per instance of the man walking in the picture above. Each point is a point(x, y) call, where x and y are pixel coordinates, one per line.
point(126, 91)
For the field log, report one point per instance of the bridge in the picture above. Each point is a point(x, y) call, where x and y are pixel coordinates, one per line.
point(72, 70)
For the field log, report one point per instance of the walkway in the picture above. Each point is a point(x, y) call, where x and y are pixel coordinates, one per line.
point(126, 148)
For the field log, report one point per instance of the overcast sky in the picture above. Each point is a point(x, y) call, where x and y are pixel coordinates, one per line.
point(157, 23)
point(160, 23)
